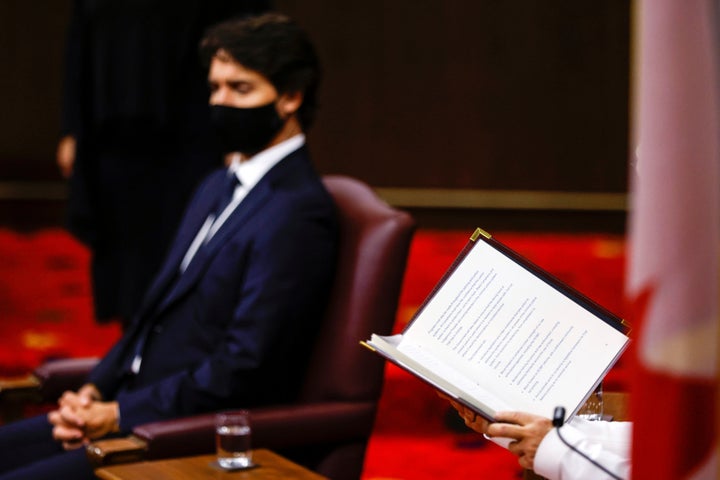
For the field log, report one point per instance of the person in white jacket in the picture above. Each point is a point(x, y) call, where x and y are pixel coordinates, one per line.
point(604, 447)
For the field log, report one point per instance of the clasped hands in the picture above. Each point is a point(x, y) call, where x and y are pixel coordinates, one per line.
point(82, 416)
point(526, 430)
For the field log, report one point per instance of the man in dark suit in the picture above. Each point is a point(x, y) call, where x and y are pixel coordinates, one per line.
point(240, 295)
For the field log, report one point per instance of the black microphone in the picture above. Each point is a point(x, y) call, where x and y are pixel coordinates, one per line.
point(558, 421)
point(559, 417)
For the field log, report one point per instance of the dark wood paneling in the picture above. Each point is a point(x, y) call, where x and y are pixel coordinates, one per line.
point(473, 93)
point(32, 40)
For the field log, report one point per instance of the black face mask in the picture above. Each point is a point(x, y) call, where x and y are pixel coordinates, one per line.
point(245, 130)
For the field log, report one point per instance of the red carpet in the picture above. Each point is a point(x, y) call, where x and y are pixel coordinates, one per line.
point(45, 309)
point(45, 313)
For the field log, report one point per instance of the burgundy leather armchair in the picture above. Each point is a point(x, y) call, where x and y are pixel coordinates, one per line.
point(328, 428)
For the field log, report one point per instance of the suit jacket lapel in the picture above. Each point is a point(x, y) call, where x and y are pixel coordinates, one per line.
point(247, 208)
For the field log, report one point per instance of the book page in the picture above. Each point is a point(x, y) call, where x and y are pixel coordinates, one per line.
point(439, 374)
point(514, 335)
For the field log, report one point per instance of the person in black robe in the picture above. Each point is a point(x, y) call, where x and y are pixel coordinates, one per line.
point(136, 136)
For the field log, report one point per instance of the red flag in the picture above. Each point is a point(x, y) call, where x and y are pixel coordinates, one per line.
point(674, 240)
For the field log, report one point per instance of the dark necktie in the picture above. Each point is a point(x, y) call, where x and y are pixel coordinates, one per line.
point(226, 194)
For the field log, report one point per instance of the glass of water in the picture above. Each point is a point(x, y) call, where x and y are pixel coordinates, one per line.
point(232, 439)
point(593, 408)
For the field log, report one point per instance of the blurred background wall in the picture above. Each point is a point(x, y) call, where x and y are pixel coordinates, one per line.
point(504, 115)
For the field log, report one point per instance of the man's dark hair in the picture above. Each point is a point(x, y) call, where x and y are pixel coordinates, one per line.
point(274, 46)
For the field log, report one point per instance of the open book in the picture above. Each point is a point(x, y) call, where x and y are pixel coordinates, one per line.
point(499, 333)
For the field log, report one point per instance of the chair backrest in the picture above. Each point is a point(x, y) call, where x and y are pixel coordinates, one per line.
point(374, 244)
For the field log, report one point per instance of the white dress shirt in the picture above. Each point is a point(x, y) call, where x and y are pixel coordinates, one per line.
point(608, 443)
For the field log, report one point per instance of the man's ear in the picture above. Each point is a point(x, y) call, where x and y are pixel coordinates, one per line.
point(289, 103)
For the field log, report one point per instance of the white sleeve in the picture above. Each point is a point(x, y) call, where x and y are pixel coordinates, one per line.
point(607, 443)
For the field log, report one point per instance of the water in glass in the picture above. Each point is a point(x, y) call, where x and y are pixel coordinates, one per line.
point(233, 446)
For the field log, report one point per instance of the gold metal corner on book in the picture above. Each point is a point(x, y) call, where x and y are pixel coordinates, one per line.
point(479, 231)
point(626, 324)
point(366, 345)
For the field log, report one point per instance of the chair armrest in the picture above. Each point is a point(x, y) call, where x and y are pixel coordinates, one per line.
point(273, 427)
point(58, 376)
point(319, 423)
point(27, 384)
point(50, 379)
point(44, 385)
point(15, 393)
point(116, 450)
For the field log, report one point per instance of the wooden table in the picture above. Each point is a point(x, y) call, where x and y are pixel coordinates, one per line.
point(271, 466)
